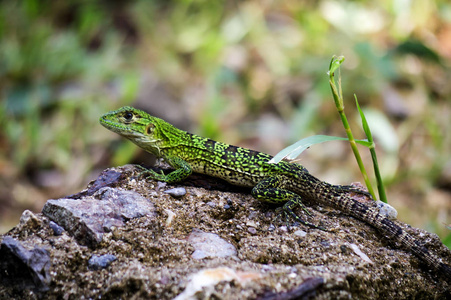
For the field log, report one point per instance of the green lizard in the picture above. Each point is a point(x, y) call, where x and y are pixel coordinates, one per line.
point(282, 183)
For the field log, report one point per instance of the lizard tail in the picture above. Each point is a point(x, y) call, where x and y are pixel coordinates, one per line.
point(387, 227)
point(396, 233)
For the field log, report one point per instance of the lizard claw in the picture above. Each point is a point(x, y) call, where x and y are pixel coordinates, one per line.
point(287, 212)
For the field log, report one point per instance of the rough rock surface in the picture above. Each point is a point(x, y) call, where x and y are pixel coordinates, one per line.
point(124, 237)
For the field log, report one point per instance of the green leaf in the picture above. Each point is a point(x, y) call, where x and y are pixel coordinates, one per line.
point(335, 63)
point(293, 151)
point(366, 128)
point(382, 129)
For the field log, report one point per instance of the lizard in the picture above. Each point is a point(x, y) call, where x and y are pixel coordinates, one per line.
point(282, 183)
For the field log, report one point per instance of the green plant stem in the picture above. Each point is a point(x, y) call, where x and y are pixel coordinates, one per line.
point(338, 98)
point(372, 147)
point(380, 184)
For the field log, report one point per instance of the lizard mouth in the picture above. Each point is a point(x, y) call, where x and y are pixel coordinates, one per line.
point(135, 136)
point(117, 127)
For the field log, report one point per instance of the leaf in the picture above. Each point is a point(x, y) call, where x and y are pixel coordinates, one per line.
point(382, 129)
point(293, 151)
point(335, 63)
point(366, 128)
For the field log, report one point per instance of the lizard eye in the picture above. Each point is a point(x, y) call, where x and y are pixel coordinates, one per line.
point(128, 116)
point(149, 129)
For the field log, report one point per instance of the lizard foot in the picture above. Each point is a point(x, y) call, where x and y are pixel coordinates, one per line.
point(287, 212)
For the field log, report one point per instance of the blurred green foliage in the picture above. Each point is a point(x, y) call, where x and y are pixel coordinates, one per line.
point(246, 72)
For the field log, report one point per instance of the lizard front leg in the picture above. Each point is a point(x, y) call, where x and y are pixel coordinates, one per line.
point(269, 190)
point(182, 170)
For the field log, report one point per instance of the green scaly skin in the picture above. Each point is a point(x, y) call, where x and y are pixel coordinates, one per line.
point(282, 183)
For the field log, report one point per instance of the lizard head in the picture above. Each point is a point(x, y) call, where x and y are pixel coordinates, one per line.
point(146, 131)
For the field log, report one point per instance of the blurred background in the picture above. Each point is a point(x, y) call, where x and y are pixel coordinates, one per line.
point(249, 73)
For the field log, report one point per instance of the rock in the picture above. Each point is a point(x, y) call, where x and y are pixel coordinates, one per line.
point(155, 237)
point(300, 233)
point(209, 245)
point(101, 262)
point(108, 178)
point(88, 218)
point(57, 230)
point(207, 279)
point(306, 290)
point(28, 269)
point(29, 220)
point(252, 230)
point(387, 210)
point(176, 192)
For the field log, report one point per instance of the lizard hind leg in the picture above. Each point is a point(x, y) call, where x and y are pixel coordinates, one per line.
point(287, 210)
point(268, 190)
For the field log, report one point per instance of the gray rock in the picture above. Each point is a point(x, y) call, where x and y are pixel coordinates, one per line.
point(24, 268)
point(209, 245)
point(176, 192)
point(88, 218)
point(387, 210)
point(101, 262)
point(57, 230)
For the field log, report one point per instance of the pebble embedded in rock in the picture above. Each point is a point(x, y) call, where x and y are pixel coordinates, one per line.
point(206, 279)
point(209, 245)
point(57, 230)
point(283, 228)
point(252, 230)
point(387, 210)
point(176, 192)
point(161, 185)
point(300, 233)
point(101, 262)
point(211, 204)
point(252, 224)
